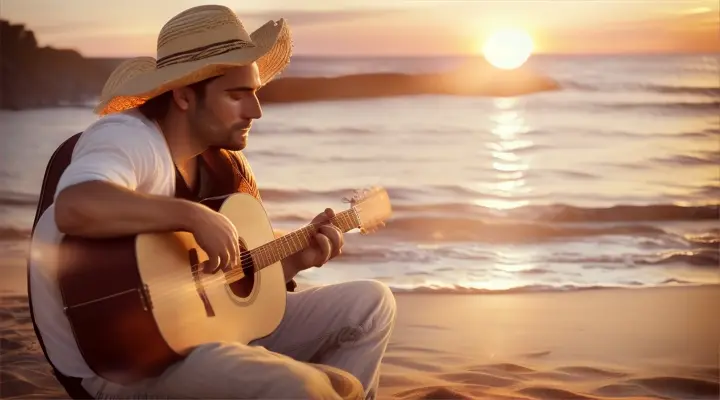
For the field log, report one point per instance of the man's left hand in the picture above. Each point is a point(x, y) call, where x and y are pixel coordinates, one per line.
point(326, 244)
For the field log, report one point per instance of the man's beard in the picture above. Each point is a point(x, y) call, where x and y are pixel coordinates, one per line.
point(229, 143)
point(205, 128)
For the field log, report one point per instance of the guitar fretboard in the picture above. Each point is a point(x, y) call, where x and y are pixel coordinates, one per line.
point(298, 240)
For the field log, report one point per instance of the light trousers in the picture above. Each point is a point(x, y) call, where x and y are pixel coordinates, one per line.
point(329, 345)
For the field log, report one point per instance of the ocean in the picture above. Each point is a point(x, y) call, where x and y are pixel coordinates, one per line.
point(611, 181)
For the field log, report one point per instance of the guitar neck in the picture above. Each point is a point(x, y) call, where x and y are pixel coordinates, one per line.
point(298, 240)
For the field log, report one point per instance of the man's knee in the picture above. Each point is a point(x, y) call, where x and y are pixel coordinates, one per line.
point(376, 300)
point(232, 370)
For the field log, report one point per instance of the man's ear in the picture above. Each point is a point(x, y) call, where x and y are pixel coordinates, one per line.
point(181, 97)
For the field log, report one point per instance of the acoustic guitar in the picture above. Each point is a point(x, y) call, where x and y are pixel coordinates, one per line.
point(137, 304)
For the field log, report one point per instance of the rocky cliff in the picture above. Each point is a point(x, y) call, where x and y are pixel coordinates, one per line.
point(33, 76)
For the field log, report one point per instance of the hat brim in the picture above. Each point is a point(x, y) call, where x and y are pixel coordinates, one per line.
point(271, 52)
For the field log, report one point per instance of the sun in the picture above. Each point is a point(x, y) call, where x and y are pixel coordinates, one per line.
point(508, 48)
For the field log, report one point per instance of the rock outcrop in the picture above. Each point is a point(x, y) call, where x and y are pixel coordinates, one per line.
point(33, 76)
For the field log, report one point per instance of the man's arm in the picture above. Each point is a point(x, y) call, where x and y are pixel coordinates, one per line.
point(98, 196)
point(104, 209)
point(97, 193)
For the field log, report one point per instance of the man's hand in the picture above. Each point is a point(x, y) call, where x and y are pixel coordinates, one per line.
point(326, 245)
point(216, 235)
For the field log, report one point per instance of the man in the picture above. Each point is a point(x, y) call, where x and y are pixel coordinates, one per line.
point(160, 116)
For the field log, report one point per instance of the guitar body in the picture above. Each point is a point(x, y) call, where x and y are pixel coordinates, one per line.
point(138, 304)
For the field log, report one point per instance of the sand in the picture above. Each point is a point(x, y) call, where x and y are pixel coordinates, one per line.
point(596, 344)
point(641, 343)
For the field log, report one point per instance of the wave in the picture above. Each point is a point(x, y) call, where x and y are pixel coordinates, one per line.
point(699, 258)
point(545, 264)
point(411, 200)
point(516, 146)
point(709, 258)
point(711, 91)
point(424, 201)
point(539, 288)
point(568, 213)
point(704, 133)
point(700, 106)
point(461, 229)
point(291, 195)
point(294, 129)
point(709, 239)
point(532, 224)
point(339, 130)
point(704, 158)
point(711, 132)
point(11, 198)
point(395, 193)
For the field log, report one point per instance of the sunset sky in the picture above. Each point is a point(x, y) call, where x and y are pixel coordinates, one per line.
point(390, 27)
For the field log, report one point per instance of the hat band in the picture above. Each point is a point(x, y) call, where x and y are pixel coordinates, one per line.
point(201, 53)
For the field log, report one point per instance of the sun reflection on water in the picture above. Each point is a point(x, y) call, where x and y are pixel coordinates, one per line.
point(510, 187)
point(508, 271)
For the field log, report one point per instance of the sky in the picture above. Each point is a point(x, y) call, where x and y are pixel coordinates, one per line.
point(389, 27)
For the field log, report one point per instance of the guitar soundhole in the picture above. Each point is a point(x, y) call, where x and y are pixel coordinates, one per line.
point(244, 287)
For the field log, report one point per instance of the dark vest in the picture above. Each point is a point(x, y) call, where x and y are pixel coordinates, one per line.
point(230, 173)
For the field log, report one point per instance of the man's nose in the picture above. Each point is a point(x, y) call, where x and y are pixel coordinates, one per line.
point(251, 108)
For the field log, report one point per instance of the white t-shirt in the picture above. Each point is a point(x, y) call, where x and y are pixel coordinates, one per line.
point(126, 149)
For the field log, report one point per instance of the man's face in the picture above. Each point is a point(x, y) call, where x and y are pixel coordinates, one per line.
point(222, 118)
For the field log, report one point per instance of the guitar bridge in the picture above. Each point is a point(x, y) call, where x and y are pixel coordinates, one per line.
point(144, 293)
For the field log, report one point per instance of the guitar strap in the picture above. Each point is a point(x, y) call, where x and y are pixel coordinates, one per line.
point(56, 166)
point(229, 172)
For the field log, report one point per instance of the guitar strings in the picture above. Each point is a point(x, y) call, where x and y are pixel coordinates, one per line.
point(227, 277)
point(262, 250)
point(233, 274)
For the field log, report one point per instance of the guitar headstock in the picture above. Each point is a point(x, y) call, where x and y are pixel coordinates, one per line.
point(372, 206)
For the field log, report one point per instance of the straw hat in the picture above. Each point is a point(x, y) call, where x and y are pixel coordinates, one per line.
point(197, 44)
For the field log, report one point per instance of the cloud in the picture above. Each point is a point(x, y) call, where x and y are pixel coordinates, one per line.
point(694, 19)
point(300, 18)
point(686, 32)
point(297, 19)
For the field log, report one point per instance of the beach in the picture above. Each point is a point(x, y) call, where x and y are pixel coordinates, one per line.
point(643, 343)
point(593, 344)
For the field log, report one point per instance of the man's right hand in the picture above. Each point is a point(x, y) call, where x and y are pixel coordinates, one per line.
point(217, 236)
point(102, 209)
